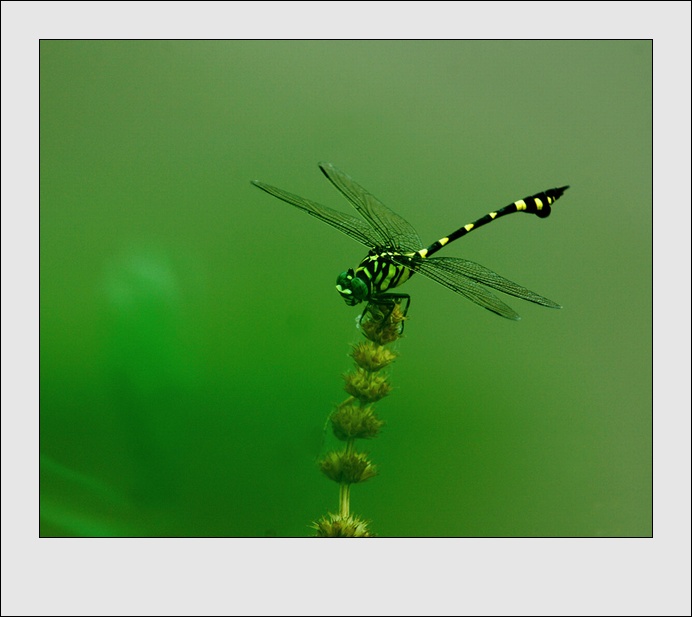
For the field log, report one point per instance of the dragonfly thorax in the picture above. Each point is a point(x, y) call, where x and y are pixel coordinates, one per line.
point(376, 274)
point(352, 289)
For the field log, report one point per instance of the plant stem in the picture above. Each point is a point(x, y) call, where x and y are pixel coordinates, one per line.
point(344, 500)
point(345, 489)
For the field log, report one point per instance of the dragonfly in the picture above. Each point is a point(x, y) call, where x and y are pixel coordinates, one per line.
point(395, 252)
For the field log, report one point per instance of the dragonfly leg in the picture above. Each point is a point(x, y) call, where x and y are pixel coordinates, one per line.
point(381, 307)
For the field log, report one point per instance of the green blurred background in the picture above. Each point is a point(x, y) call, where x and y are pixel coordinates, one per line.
point(192, 341)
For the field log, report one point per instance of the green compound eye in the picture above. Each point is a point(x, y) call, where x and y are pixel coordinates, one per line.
point(351, 288)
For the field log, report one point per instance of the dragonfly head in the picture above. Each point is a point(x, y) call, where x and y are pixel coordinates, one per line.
point(352, 289)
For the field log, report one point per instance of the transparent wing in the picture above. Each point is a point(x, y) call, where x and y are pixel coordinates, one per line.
point(492, 279)
point(468, 288)
point(467, 278)
point(345, 223)
point(392, 231)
